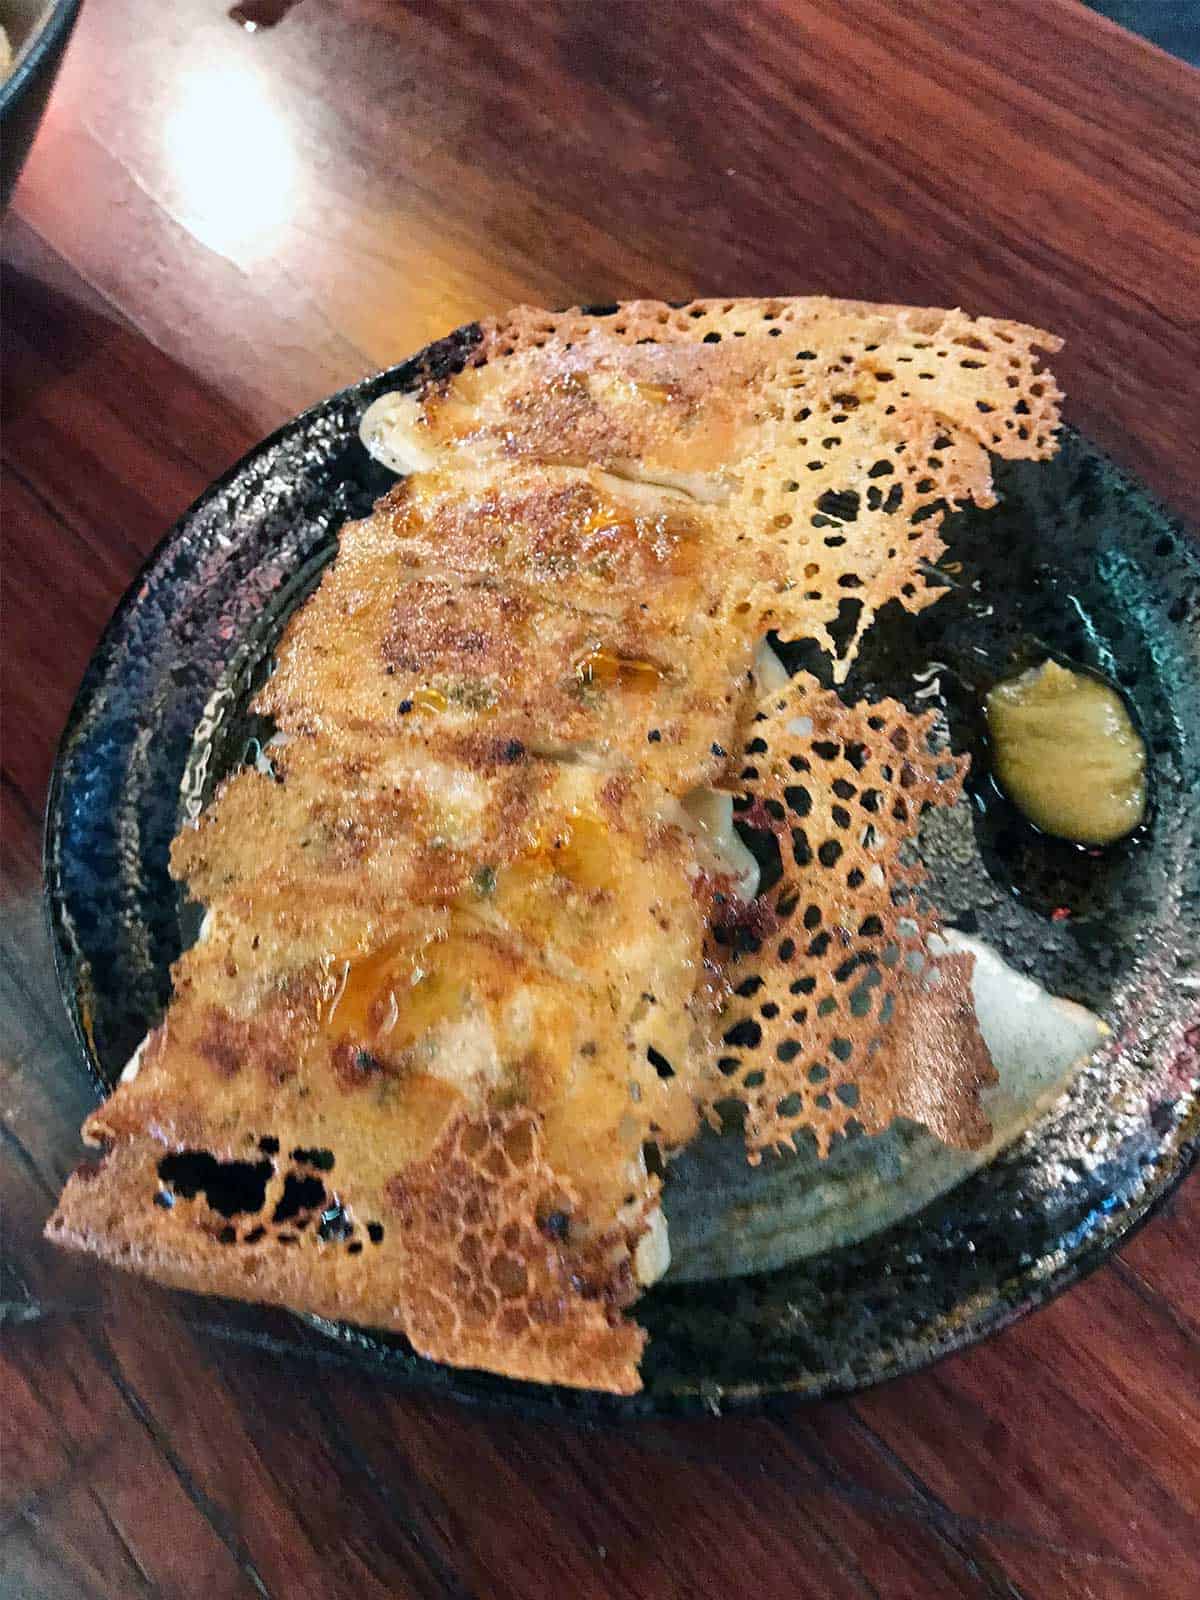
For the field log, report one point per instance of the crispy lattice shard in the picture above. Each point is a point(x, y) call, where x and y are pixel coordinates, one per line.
point(472, 1250)
point(984, 372)
point(830, 438)
point(839, 1012)
point(491, 1266)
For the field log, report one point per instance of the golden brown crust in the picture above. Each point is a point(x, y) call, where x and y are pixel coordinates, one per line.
point(498, 614)
point(527, 327)
point(353, 848)
point(455, 972)
point(834, 434)
point(488, 1223)
point(564, 930)
point(468, 1251)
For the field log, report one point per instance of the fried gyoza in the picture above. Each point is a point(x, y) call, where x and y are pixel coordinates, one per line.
point(485, 935)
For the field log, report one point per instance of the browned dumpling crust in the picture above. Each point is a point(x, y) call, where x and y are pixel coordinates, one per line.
point(479, 941)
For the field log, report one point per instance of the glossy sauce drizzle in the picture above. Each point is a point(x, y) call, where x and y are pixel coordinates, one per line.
point(398, 992)
point(578, 851)
point(395, 993)
point(606, 669)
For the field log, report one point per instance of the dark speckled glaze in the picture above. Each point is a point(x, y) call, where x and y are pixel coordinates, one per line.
point(1077, 560)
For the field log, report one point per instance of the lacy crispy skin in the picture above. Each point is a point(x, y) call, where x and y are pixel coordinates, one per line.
point(465, 955)
point(838, 1011)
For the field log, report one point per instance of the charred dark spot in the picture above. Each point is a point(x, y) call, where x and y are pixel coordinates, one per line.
point(230, 1187)
point(857, 755)
point(299, 1195)
point(269, 1145)
point(510, 750)
point(375, 1232)
point(745, 1034)
point(659, 1062)
point(842, 504)
point(321, 1159)
point(483, 881)
point(353, 1066)
point(799, 799)
point(557, 1225)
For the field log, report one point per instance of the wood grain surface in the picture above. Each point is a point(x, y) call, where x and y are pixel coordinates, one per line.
point(217, 227)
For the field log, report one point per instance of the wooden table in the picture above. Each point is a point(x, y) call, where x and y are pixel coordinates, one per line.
point(218, 227)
